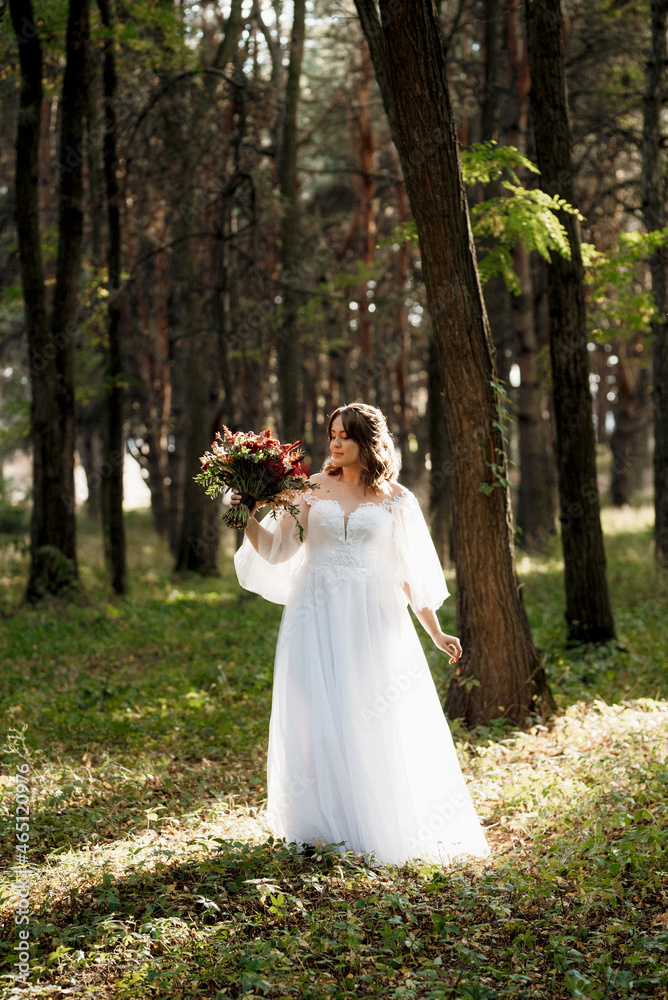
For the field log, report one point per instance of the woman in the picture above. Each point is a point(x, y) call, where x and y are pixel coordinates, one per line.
point(360, 753)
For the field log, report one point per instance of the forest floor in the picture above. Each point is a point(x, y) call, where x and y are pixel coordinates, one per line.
point(143, 725)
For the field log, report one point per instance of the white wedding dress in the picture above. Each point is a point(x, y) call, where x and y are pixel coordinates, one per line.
point(360, 753)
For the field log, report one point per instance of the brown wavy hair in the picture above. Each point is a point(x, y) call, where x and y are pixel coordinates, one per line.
point(367, 426)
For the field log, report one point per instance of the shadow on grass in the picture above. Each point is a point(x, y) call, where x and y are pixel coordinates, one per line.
point(248, 918)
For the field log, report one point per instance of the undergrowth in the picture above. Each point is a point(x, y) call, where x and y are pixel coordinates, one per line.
point(143, 722)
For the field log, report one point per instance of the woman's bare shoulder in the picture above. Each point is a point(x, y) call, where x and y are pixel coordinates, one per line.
point(395, 489)
point(318, 477)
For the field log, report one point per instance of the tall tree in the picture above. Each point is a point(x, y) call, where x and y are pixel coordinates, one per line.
point(198, 536)
point(489, 104)
point(198, 531)
point(112, 484)
point(51, 345)
point(499, 673)
point(632, 416)
point(654, 208)
point(289, 352)
point(588, 610)
point(536, 495)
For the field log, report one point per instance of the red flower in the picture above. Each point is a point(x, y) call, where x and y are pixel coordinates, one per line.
point(285, 449)
point(276, 468)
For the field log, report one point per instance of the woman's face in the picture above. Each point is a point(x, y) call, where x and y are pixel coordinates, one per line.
point(344, 451)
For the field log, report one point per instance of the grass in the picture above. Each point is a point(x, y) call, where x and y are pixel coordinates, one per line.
point(143, 722)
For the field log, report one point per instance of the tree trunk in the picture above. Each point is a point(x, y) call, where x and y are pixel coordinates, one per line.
point(440, 475)
point(289, 349)
point(198, 527)
point(489, 119)
point(401, 331)
point(68, 262)
point(628, 441)
point(367, 158)
point(175, 457)
point(535, 506)
point(622, 440)
point(499, 673)
point(588, 611)
point(654, 209)
point(90, 453)
point(640, 471)
point(113, 527)
point(53, 531)
point(199, 535)
point(94, 172)
point(535, 500)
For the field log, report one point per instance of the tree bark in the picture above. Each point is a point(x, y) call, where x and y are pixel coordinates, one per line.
point(199, 534)
point(372, 28)
point(440, 475)
point(401, 332)
point(654, 210)
point(51, 345)
point(499, 673)
point(198, 530)
point(626, 441)
point(90, 453)
point(367, 160)
point(289, 350)
point(113, 527)
point(535, 499)
point(489, 119)
point(535, 506)
point(588, 610)
point(68, 262)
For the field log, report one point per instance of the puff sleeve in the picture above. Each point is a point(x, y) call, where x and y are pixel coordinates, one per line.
point(271, 570)
point(416, 561)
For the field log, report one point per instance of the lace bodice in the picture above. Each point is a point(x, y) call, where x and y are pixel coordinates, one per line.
point(387, 538)
point(349, 543)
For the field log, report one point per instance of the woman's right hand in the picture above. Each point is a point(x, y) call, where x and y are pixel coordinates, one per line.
point(236, 498)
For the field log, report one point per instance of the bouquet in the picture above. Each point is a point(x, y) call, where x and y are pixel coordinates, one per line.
point(262, 469)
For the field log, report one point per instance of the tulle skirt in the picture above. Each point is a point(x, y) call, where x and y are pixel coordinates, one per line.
point(360, 753)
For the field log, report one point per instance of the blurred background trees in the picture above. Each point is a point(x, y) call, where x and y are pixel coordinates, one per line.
point(269, 268)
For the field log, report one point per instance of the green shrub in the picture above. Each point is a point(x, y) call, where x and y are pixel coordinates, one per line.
point(14, 516)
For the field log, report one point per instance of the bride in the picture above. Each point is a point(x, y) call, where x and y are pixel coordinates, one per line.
point(360, 753)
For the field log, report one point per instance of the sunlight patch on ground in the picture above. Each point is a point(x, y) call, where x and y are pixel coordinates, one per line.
point(187, 840)
point(627, 520)
point(595, 755)
point(546, 565)
point(589, 767)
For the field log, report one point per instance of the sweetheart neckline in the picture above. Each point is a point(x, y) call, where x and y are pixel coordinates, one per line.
point(385, 504)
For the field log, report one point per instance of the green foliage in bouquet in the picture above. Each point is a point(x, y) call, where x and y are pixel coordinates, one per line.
point(261, 468)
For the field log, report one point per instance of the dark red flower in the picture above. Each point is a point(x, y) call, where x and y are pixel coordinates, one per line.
point(276, 468)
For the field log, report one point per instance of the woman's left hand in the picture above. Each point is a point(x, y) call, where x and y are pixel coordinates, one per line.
point(449, 644)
